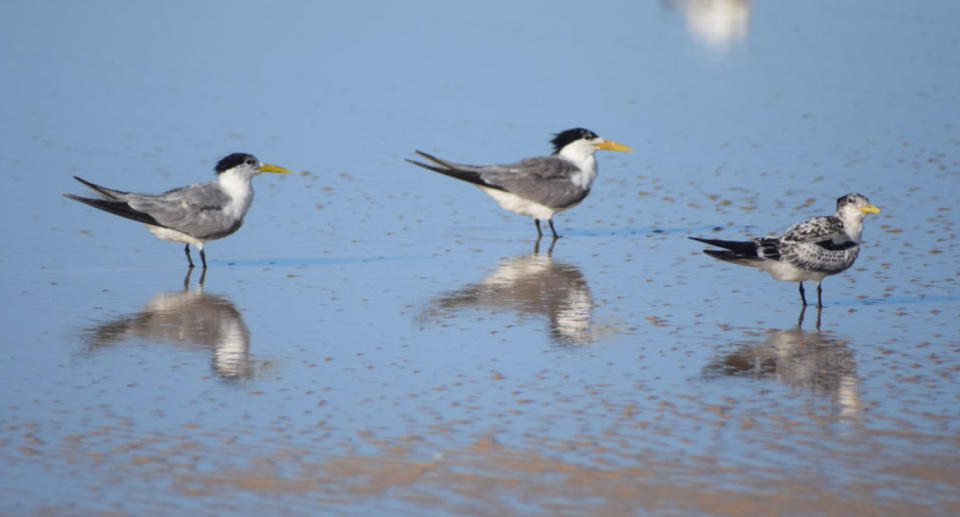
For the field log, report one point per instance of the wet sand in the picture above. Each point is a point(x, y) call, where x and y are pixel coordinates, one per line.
point(381, 340)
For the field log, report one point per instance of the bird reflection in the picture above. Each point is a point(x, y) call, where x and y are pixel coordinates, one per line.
point(813, 360)
point(187, 317)
point(719, 24)
point(530, 285)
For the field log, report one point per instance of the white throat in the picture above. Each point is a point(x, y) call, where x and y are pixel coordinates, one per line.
point(852, 219)
point(238, 186)
point(581, 154)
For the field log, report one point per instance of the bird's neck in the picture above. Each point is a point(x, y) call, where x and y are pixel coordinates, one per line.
point(240, 190)
point(582, 155)
point(854, 230)
point(852, 223)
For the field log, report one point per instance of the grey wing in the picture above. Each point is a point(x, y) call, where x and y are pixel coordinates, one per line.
point(545, 180)
point(196, 210)
point(819, 244)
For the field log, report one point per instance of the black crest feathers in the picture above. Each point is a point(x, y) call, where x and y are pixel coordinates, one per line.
point(564, 138)
point(233, 160)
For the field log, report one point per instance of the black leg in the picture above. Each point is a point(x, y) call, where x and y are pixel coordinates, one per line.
point(536, 222)
point(203, 258)
point(536, 245)
point(803, 297)
point(187, 251)
point(552, 229)
point(819, 296)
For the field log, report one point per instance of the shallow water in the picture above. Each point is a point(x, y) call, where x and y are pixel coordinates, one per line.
point(381, 340)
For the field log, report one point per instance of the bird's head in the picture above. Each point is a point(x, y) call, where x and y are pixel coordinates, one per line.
point(584, 141)
point(245, 164)
point(854, 206)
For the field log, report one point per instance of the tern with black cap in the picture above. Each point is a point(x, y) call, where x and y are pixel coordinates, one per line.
point(194, 214)
point(536, 187)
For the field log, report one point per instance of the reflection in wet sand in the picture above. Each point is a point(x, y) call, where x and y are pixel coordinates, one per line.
point(530, 285)
point(811, 360)
point(187, 317)
point(717, 23)
point(486, 478)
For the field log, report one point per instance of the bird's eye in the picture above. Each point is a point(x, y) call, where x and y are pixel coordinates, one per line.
point(250, 161)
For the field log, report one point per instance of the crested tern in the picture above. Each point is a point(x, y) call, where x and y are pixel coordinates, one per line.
point(808, 251)
point(193, 214)
point(536, 187)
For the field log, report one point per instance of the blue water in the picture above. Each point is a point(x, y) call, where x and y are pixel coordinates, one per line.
point(378, 339)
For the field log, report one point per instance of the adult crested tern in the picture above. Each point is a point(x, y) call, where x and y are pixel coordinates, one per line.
point(808, 251)
point(193, 214)
point(536, 187)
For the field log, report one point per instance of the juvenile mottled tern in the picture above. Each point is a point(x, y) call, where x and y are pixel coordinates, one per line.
point(193, 214)
point(808, 251)
point(536, 187)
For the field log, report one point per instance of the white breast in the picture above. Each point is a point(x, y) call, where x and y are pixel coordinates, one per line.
point(240, 190)
point(581, 153)
point(518, 205)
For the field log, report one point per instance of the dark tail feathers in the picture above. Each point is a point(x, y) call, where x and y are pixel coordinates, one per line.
point(108, 193)
point(120, 208)
point(737, 249)
point(461, 172)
